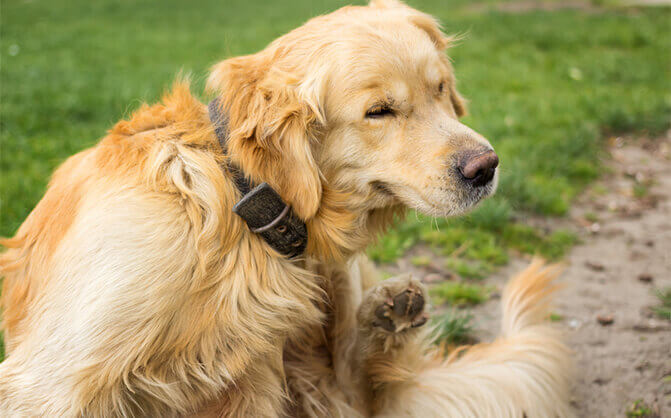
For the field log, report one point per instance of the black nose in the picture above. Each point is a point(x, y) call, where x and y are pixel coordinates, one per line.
point(478, 169)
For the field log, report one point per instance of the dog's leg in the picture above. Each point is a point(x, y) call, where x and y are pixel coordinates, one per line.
point(390, 334)
point(315, 386)
point(320, 374)
point(259, 393)
point(524, 372)
point(324, 367)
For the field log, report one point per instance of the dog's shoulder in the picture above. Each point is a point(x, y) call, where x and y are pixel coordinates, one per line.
point(162, 158)
point(175, 128)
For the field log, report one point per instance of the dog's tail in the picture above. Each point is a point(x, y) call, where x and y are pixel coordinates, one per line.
point(526, 298)
point(524, 373)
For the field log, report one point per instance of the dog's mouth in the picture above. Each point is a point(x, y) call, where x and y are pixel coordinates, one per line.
point(476, 193)
point(458, 201)
point(383, 188)
point(446, 201)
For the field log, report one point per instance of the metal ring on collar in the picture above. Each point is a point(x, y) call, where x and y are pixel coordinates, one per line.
point(274, 221)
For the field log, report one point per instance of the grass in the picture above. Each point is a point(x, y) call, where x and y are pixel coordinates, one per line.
point(544, 88)
point(664, 308)
point(468, 269)
point(458, 293)
point(591, 217)
point(555, 317)
point(70, 69)
point(640, 410)
point(476, 243)
point(421, 261)
point(453, 328)
point(641, 190)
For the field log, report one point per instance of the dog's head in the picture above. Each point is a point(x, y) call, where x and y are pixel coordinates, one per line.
point(361, 101)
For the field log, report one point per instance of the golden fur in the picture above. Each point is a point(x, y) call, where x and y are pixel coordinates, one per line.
point(133, 290)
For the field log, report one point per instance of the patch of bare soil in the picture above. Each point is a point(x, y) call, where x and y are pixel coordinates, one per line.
point(626, 254)
point(622, 350)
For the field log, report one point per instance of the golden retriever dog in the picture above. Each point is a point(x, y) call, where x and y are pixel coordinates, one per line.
point(152, 281)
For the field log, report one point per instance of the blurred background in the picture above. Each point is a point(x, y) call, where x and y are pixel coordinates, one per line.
point(552, 84)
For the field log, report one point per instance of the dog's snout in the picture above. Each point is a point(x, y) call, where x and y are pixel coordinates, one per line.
point(478, 169)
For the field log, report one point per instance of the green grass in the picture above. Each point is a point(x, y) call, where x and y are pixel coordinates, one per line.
point(640, 410)
point(591, 217)
point(555, 317)
point(664, 308)
point(420, 261)
point(641, 190)
point(476, 243)
point(468, 269)
point(458, 293)
point(453, 328)
point(544, 88)
point(70, 69)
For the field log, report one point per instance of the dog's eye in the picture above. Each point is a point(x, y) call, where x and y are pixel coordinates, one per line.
point(441, 87)
point(379, 111)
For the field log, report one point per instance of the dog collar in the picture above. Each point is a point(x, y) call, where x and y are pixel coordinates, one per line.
point(261, 207)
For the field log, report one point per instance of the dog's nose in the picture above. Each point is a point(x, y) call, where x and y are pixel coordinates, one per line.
point(479, 169)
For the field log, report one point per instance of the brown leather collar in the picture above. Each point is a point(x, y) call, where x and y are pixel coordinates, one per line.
point(261, 206)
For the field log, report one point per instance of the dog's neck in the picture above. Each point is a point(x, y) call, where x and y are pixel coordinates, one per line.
point(337, 231)
point(261, 207)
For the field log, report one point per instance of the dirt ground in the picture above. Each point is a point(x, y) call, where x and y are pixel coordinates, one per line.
point(624, 224)
point(625, 254)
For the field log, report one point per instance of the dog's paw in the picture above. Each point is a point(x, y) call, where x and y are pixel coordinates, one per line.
point(395, 305)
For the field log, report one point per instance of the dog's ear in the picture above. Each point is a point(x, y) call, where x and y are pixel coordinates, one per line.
point(442, 42)
point(431, 27)
point(272, 126)
point(423, 21)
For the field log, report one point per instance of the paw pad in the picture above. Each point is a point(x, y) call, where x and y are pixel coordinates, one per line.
point(405, 310)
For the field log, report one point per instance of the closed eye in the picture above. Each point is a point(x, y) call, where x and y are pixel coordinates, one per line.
point(379, 111)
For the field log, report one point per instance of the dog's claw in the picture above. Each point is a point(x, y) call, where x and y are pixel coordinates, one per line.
point(418, 322)
point(382, 311)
